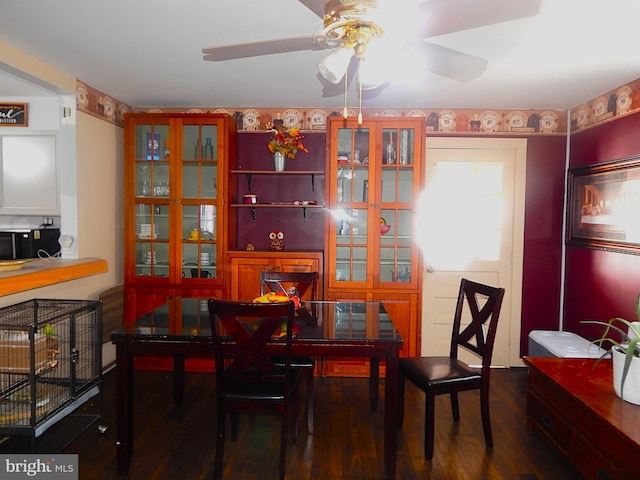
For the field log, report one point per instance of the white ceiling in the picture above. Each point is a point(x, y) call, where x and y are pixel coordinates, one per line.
point(149, 53)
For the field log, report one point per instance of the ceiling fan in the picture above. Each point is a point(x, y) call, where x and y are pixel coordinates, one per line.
point(353, 29)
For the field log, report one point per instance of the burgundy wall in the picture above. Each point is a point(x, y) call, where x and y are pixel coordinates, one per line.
point(543, 217)
point(544, 202)
point(541, 289)
point(300, 233)
point(600, 284)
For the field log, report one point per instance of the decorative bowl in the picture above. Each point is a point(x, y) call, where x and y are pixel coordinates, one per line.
point(384, 229)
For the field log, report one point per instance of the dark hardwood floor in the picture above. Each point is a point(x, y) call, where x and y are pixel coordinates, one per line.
point(178, 442)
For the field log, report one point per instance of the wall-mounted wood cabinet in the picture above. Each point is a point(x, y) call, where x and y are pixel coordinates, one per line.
point(175, 183)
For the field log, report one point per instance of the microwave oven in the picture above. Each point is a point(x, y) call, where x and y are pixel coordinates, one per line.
point(40, 242)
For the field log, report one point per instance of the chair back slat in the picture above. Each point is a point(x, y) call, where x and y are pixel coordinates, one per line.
point(484, 303)
point(306, 284)
point(241, 332)
point(438, 375)
point(247, 379)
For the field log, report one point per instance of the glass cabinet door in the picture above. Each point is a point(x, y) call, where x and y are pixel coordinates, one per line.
point(199, 252)
point(152, 240)
point(199, 161)
point(376, 170)
point(351, 214)
point(199, 219)
point(396, 188)
point(152, 183)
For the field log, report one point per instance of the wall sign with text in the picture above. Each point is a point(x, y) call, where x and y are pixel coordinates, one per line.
point(13, 114)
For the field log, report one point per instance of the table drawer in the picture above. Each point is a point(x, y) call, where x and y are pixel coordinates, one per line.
point(549, 424)
point(596, 464)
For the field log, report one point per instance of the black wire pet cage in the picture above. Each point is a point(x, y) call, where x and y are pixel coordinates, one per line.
point(50, 363)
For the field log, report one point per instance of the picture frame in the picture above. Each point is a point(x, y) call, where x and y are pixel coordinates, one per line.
point(603, 206)
point(13, 114)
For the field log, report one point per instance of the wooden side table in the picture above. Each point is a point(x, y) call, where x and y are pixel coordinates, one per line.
point(572, 405)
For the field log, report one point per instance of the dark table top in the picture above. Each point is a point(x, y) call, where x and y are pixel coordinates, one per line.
point(188, 318)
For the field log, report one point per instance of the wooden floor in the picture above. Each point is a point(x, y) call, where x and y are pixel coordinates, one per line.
point(178, 443)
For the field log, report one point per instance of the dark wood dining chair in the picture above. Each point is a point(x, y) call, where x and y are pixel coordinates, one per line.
point(306, 284)
point(247, 379)
point(437, 375)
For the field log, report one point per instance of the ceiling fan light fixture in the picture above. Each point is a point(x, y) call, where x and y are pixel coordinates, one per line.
point(355, 23)
point(341, 17)
point(335, 65)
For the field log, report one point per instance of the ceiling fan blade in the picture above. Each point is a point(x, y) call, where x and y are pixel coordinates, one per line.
point(448, 62)
point(448, 16)
point(267, 47)
point(316, 6)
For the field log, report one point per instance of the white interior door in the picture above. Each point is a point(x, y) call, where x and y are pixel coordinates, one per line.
point(473, 227)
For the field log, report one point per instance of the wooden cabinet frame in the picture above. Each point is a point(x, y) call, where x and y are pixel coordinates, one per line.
point(191, 179)
point(392, 261)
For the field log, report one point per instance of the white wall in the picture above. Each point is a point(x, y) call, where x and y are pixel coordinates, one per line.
point(42, 114)
point(91, 180)
point(100, 192)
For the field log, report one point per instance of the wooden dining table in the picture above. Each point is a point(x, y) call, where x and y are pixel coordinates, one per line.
point(180, 329)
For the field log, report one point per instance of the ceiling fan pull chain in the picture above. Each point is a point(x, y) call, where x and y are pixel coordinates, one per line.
point(345, 112)
point(360, 104)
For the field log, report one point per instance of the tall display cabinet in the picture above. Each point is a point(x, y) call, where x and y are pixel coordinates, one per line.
point(375, 175)
point(175, 183)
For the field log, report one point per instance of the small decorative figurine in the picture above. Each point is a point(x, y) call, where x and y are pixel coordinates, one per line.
point(276, 241)
point(250, 247)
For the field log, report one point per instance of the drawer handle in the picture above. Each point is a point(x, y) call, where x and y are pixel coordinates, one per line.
point(546, 421)
point(602, 475)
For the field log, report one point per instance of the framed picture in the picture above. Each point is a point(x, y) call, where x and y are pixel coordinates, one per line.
point(13, 114)
point(604, 206)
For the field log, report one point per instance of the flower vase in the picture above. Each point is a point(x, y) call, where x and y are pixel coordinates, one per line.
point(278, 160)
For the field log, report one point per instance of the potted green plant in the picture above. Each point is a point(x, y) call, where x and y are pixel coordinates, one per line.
point(623, 337)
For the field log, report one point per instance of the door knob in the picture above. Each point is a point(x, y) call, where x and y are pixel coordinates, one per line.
point(430, 269)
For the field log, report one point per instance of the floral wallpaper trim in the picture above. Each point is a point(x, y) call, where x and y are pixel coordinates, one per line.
point(490, 122)
point(618, 102)
point(98, 104)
